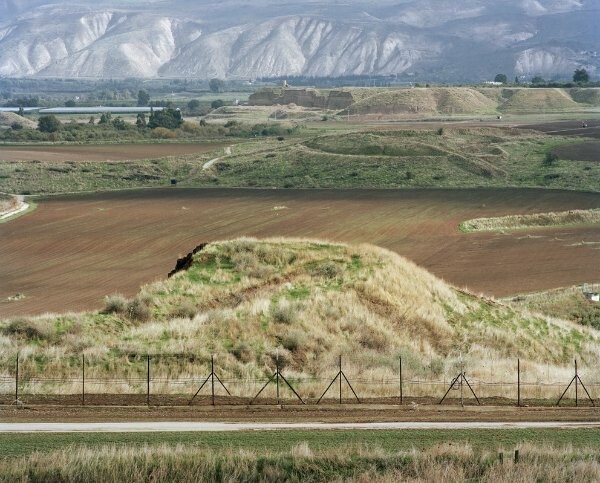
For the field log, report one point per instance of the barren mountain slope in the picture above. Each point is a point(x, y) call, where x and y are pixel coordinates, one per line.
point(434, 39)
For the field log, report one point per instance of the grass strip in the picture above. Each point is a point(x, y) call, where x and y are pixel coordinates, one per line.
point(23, 444)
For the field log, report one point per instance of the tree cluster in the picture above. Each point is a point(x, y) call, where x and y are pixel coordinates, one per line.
point(168, 118)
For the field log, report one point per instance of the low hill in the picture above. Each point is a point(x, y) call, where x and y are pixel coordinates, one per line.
point(536, 100)
point(8, 119)
point(586, 96)
point(305, 302)
point(433, 101)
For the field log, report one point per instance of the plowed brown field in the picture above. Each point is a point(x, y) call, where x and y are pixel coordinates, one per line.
point(73, 250)
point(568, 128)
point(104, 152)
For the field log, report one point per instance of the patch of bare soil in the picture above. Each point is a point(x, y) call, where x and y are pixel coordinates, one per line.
point(579, 152)
point(411, 410)
point(568, 128)
point(111, 152)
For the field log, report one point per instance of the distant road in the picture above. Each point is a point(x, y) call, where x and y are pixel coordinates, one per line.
point(145, 427)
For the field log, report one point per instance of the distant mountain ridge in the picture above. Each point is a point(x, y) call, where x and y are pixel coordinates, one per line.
point(436, 40)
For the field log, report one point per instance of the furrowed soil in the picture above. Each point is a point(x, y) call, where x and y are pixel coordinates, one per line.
point(117, 152)
point(73, 250)
point(568, 128)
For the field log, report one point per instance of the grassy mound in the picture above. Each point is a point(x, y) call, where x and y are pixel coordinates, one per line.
point(305, 302)
point(536, 100)
point(586, 96)
point(536, 220)
point(429, 101)
point(8, 119)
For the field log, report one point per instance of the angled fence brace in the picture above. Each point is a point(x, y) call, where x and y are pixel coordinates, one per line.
point(463, 379)
point(277, 376)
point(212, 376)
point(576, 379)
point(339, 375)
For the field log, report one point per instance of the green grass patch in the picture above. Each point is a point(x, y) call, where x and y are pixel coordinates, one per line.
point(13, 445)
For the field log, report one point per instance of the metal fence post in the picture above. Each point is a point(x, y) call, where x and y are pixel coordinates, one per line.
point(17, 380)
point(518, 382)
point(83, 379)
point(576, 378)
point(340, 379)
point(212, 377)
point(277, 375)
point(400, 379)
point(148, 380)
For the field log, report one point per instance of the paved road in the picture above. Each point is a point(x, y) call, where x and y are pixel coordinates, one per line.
point(141, 427)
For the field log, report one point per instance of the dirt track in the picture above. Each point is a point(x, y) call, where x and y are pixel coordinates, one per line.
point(73, 250)
point(116, 152)
point(152, 427)
point(285, 414)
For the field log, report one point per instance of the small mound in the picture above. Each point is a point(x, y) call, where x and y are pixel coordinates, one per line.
point(536, 100)
point(536, 220)
point(586, 96)
point(435, 100)
point(7, 119)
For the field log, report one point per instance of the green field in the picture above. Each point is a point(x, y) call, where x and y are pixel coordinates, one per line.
point(451, 157)
point(307, 456)
point(21, 444)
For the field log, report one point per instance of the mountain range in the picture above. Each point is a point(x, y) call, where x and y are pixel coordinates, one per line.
point(437, 40)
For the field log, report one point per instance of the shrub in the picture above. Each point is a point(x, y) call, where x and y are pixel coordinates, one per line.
point(294, 340)
point(48, 124)
point(550, 159)
point(16, 126)
point(283, 312)
point(242, 352)
point(372, 338)
point(190, 127)
point(27, 328)
point(119, 124)
point(163, 133)
point(328, 269)
point(139, 309)
point(185, 309)
point(115, 304)
point(105, 118)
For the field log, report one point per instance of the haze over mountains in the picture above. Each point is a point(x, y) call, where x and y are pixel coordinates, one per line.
point(438, 40)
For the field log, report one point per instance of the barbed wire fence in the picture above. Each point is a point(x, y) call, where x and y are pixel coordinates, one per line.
point(188, 380)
